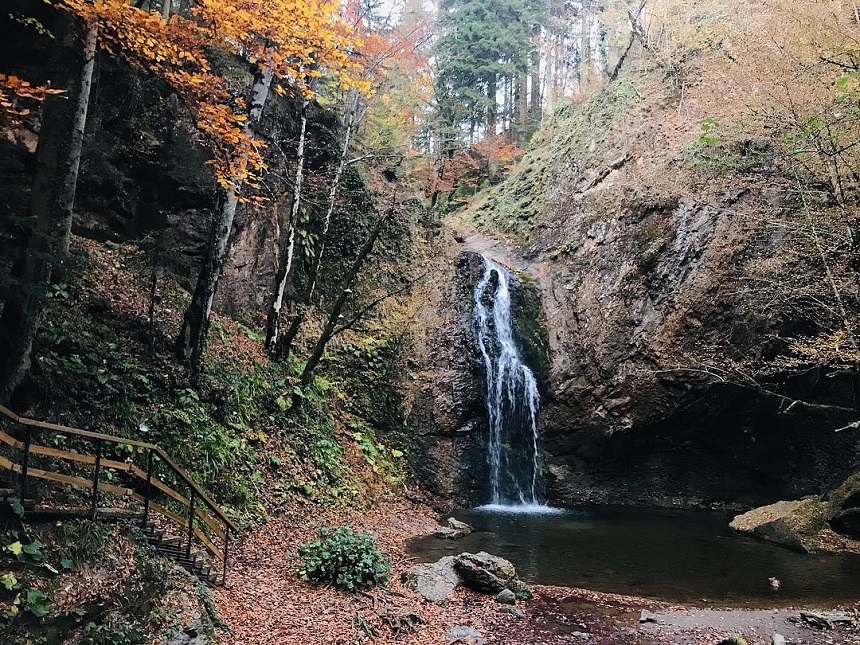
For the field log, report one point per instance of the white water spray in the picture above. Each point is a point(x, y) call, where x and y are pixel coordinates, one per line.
point(513, 401)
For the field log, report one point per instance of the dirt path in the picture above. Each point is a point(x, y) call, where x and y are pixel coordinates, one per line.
point(467, 237)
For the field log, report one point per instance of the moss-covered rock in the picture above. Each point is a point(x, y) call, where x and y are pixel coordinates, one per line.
point(843, 512)
point(845, 496)
point(529, 324)
point(795, 524)
point(490, 574)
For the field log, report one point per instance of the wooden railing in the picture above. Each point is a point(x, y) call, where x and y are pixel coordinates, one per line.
point(195, 513)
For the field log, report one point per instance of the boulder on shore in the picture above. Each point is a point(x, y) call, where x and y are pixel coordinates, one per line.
point(847, 522)
point(435, 581)
point(490, 574)
point(795, 524)
point(453, 530)
point(506, 597)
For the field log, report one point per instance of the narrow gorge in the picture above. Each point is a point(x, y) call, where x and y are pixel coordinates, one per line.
point(476, 322)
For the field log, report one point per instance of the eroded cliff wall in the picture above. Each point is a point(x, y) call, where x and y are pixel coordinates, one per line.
point(696, 305)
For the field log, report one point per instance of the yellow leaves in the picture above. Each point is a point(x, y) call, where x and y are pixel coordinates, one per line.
point(16, 95)
point(297, 40)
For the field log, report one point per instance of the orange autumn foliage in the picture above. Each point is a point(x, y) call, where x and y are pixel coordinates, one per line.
point(489, 159)
point(294, 39)
point(16, 98)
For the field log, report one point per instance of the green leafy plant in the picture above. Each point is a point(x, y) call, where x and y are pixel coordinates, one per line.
point(17, 508)
point(708, 137)
point(8, 581)
point(383, 460)
point(347, 560)
point(32, 600)
point(60, 290)
point(36, 602)
point(22, 551)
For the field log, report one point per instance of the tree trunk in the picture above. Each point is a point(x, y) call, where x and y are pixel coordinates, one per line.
point(491, 106)
point(331, 324)
point(165, 9)
point(64, 119)
point(298, 317)
point(585, 59)
point(521, 97)
point(534, 108)
point(195, 325)
point(506, 102)
point(550, 76)
point(273, 326)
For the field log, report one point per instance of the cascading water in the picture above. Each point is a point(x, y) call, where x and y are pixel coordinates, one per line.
point(513, 401)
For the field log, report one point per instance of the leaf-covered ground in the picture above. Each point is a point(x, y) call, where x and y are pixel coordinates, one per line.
point(265, 601)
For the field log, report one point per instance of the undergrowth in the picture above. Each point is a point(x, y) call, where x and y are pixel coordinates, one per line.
point(346, 560)
point(247, 432)
point(88, 582)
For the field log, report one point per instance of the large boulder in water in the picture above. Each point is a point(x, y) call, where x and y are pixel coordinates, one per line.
point(454, 530)
point(844, 510)
point(795, 524)
point(489, 574)
point(435, 581)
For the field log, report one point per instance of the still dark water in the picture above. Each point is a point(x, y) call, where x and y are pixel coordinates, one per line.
point(682, 556)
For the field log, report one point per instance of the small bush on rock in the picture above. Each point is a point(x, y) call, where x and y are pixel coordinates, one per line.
point(345, 559)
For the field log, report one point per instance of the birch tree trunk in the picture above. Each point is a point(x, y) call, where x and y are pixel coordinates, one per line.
point(58, 159)
point(195, 326)
point(165, 9)
point(283, 348)
point(273, 327)
point(491, 105)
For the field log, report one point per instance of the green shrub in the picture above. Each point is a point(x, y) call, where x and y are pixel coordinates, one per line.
point(345, 559)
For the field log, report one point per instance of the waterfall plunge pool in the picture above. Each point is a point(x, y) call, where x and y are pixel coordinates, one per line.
point(675, 555)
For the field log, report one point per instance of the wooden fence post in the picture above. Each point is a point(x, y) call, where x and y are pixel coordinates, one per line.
point(226, 547)
point(25, 461)
point(148, 487)
point(190, 523)
point(98, 469)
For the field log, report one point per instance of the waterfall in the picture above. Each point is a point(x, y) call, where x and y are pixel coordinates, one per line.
point(513, 401)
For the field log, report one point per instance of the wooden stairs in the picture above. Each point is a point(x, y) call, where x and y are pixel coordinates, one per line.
point(146, 480)
point(196, 561)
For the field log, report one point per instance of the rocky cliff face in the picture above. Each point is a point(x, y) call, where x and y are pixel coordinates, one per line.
point(692, 315)
point(145, 177)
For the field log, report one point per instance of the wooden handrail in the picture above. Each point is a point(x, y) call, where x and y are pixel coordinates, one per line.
point(177, 470)
point(100, 460)
point(198, 491)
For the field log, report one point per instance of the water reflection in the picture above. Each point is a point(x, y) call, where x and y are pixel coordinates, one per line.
point(677, 555)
